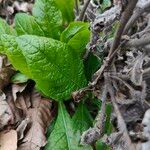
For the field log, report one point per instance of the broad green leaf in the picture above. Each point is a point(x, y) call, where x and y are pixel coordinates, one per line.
point(63, 137)
point(26, 24)
point(49, 17)
point(77, 43)
point(66, 7)
point(72, 29)
point(14, 53)
point(76, 35)
point(19, 78)
point(101, 146)
point(5, 29)
point(82, 119)
point(91, 63)
point(56, 69)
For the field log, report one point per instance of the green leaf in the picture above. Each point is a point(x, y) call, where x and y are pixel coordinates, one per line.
point(19, 78)
point(63, 137)
point(101, 146)
point(77, 42)
point(72, 29)
point(56, 69)
point(14, 54)
point(5, 29)
point(91, 64)
point(74, 35)
point(49, 17)
point(66, 7)
point(82, 119)
point(26, 24)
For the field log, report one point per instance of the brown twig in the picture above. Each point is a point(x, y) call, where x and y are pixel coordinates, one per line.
point(81, 16)
point(123, 21)
point(115, 46)
point(121, 123)
point(135, 16)
point(76, 7)
point(139, 42)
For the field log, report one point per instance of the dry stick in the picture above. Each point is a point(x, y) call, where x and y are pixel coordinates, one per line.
point(125, 83)
point(121, 122)
point(139, 42)
point(135, 16)
point(124, 19)
point(100, 122)
point(81, 16)
point(147, 70)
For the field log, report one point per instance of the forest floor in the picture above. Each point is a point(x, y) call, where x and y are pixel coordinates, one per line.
point(24, 111)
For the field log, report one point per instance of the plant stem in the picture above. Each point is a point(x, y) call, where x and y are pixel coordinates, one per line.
point(81, 16)
point(76, 7)
point(135, 16)
point(124, 19)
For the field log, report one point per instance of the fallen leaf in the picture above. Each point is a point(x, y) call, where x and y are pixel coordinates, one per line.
point(40, 117)
point(17, 88)
point(6, 114)
point(6, 71)
point(8, 140)
point(21, 128)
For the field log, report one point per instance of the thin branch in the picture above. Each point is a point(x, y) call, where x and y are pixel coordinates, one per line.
point(76, 7)
point(139, 42)
point(125, 83)
point(147, 70)
point(138, 12)
point(121, 122)
point(81, 16)
point(123, 21)
point(115, 46)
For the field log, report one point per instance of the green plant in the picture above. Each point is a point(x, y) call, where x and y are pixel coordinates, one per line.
point(34, 50)
point(47, 47)
point(41, 48)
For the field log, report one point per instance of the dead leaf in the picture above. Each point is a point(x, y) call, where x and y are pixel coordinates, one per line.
point(8, 140)
point(136, 73)
point(5, 75)
point(17, 88)
point(21, 128)
point(6, 114)
point(6, 71)
point(40, 117)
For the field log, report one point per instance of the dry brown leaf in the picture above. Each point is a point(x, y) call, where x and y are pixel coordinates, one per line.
point(8, 140)
point(17, 88)
point(6, 71)
point(40, 117)
point(22, 127)
point(6, 114)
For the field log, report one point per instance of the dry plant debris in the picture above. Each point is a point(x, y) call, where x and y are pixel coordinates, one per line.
point(123, 80)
